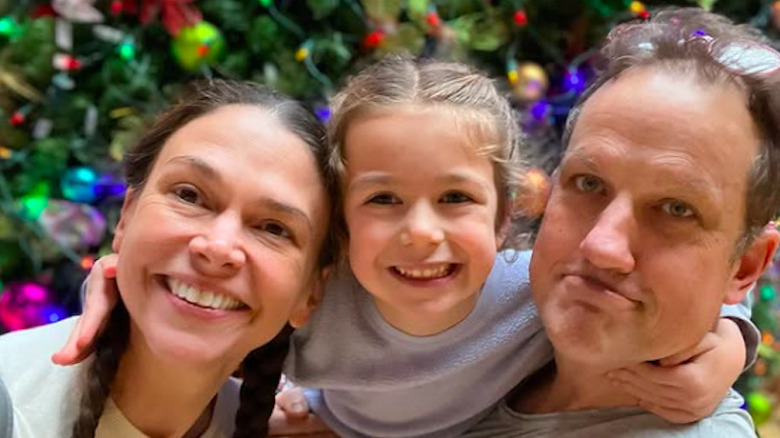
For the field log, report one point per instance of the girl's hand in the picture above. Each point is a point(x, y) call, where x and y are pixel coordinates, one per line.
point(100, 299)
point(688, 386)
point(292, 403)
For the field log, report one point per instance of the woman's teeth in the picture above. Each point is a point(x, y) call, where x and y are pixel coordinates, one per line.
point(428, 273)
point(201, 298)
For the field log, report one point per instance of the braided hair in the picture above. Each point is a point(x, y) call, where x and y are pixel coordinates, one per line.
point(263, 365)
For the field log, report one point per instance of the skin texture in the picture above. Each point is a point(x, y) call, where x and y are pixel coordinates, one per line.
point(635, 254)
point(255, 238)
point(419, 195)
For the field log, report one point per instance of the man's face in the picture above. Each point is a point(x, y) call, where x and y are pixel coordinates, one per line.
point(633, 259)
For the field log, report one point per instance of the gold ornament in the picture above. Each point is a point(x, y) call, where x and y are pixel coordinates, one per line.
point(531, 83)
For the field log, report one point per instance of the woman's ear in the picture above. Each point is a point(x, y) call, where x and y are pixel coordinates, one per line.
point(300, 315)
point(128, 208)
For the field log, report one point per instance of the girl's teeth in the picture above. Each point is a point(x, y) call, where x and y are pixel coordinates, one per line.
point(441, 271)
point(207, 299)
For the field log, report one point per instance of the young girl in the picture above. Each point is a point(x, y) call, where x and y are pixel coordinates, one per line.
point(210, 267)
point(431, 324)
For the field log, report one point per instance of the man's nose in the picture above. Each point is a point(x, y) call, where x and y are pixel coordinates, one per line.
point(608, 244)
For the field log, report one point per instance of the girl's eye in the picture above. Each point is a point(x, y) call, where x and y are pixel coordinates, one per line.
point(276, 229)
point(677, 209)
point(383, 199)
point(588, 184)
point(455, 198)
point(188, 195)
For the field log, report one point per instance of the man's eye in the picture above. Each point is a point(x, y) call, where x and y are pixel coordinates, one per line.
point(383, 199)
point(455, 198)
point(588, 184)
point(188, 195)
point(677, 209)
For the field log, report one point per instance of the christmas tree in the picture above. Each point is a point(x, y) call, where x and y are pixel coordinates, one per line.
point(79, 80)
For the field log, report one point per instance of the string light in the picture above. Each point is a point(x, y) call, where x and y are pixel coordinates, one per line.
point(521, 18)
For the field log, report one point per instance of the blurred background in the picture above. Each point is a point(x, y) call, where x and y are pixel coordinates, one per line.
point(80, 79)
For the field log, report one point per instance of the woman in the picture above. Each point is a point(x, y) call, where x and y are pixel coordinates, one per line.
point(221, 243)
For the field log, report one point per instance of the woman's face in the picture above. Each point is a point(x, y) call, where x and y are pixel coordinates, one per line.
point(220, 247)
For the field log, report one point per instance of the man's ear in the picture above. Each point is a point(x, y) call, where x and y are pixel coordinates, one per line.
point(300, 315)
point(128, 208)
point(752, 264)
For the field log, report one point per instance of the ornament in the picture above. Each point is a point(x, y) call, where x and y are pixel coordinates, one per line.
point(638, 10)
point(25, 305)
point(198, 45)
point(5, 153)
point(531, 199)
point(8, 27)
point(767, 293)
point(759, 407)
point(87, 262)
point(776, 14)
point(433, 19)
point(521, 18)
point(373, 39)
point(531, 82)
point(302, 53)
point(78, 184)
point(74, 226)
point(62, 61)
point(79, 11)
point(17, 118)
point(33, 202)
point(265, 3)
point(116, 7)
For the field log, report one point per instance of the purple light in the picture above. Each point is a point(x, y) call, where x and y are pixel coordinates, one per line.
point(323, 113)
point(540, 110)
point(699, 32)
point(574, 81)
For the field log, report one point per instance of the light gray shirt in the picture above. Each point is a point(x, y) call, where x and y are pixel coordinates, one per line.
point(728, 421)
point(379, 382)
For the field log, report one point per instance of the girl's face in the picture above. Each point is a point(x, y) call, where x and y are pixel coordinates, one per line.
point(421, 206)
point(220, 247)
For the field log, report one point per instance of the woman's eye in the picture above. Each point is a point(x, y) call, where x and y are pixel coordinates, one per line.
point(677, 209)
point(588, 184)
point(276, 229)
point(188, 195)
point(383, 199)
point(455, 198)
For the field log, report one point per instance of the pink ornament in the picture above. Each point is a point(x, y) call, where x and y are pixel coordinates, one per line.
point(25, 305)
point(75, 226)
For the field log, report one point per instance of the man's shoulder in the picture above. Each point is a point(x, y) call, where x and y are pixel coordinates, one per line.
point(728, 421)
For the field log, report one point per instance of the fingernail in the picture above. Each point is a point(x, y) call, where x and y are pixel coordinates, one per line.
point(298, 407)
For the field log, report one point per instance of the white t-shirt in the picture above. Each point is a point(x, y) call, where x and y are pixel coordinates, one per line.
point(46, 397)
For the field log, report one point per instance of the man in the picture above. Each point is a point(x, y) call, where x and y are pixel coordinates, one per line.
point(657, 217)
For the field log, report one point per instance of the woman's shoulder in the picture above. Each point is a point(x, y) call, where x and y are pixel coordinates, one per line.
point(33, 344)
point(44, 396)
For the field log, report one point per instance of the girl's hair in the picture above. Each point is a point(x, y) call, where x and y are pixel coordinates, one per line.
point(468, 95)
point(263, 366)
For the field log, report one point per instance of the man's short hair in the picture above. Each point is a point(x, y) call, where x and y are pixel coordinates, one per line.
point(713, 49)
